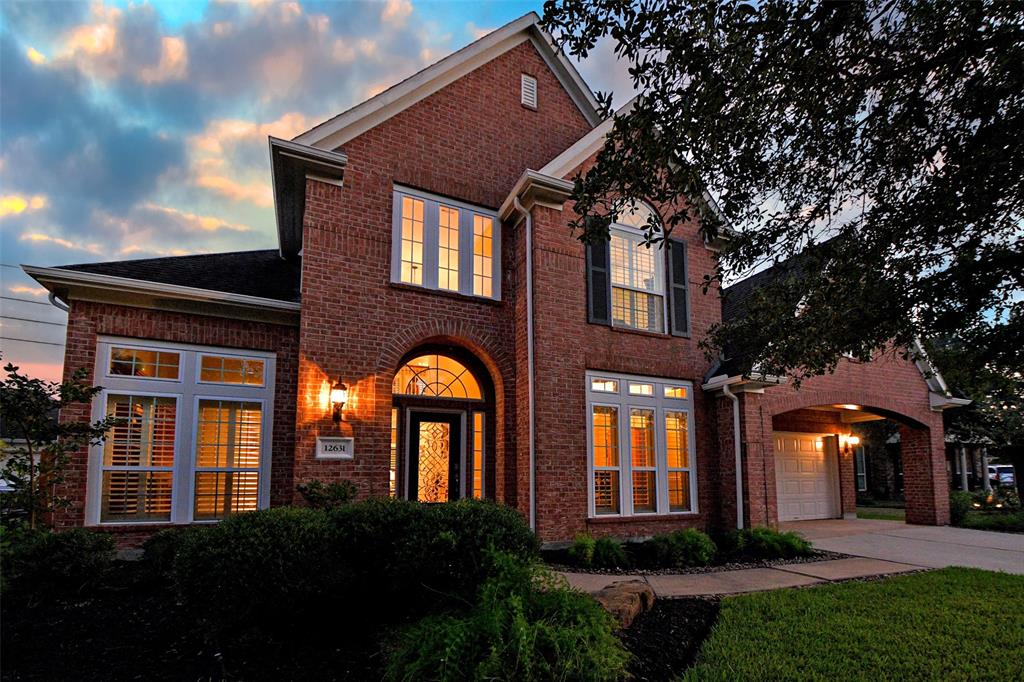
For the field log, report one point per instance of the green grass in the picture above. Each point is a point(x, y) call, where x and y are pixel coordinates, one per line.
point(881, 513)
point(1003, 522)
point(953, 624)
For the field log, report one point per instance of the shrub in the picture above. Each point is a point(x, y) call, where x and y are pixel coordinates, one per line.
point(609, 553)
point(291, 569)
point(526, 626)
point(960, 503)
point(763, 544)
point(40, 563)
point(581, 553)
point(161, 549)
point(1007, 522)
point(319, 495)
point(679, 549)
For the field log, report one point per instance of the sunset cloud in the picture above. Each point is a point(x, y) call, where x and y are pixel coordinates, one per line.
point(13, 204)
point(61, 242)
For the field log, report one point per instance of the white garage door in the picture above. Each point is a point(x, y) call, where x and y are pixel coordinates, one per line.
point(805, 477)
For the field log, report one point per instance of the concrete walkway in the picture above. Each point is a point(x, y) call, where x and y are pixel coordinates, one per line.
point(746, 579)
point(928, 546)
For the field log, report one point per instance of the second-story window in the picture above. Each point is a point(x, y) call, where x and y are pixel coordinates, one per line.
point(443, 244)
point(638, 282)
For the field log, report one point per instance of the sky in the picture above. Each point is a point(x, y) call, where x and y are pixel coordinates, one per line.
point(139, 129)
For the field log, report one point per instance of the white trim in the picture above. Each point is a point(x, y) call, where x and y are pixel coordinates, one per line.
point(58, 276)
point(187, 391)
point(134, 345)
point(635, 238)
point(623, 402)
point(240, 356)
point(338, 130)
point(583, 148)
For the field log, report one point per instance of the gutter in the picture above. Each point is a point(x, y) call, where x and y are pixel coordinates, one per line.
point(528, 218)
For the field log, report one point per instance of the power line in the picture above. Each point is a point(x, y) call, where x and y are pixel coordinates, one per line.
point(26, 319)
point(45, 343)
point(25, 300)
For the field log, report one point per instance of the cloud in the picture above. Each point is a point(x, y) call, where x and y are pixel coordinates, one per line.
point(13, 204)
point(35, 56)
point(191, 221)
point(396, 11)
point(477, 32)
point(35, 292)
point(59, 241)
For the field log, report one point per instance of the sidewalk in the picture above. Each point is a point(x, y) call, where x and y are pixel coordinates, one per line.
point(747, 579)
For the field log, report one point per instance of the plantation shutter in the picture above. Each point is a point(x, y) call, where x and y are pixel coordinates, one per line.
point(677, 290)
point(599, 285)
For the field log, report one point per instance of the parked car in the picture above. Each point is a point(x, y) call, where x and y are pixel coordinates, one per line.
point(1001, 474)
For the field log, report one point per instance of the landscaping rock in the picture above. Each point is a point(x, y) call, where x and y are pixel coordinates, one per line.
point(626, 600)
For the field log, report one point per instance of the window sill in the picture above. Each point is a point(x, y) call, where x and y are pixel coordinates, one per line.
point(446, 294)
point(639, 332)
point(644, 518)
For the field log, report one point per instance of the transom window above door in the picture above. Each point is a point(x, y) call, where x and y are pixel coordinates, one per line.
point(436, 376)
point(447, 245)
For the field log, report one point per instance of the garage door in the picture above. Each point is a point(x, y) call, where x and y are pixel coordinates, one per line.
point(805, 477)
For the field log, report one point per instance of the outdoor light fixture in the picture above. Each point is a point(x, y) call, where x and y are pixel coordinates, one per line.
point(339, 396)
point(848, 441)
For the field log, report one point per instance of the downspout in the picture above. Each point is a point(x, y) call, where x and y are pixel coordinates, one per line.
point(529, 356)
point(57, 303)
point(739, 453)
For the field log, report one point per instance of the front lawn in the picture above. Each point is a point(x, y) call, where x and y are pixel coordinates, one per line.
point(882, 513)
point(953, 624)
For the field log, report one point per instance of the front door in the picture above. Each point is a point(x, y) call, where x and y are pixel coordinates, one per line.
point(435, 455)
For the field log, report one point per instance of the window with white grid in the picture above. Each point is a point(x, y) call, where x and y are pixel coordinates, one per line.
point(444, 244)
point(190, 443)
point(641, 451)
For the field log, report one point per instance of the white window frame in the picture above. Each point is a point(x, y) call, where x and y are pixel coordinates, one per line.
point(660, 276)
point(187, 393)
point(431, 215)
point(624, 402)
point(239, 356)
point(860, 471)
point(134, 345)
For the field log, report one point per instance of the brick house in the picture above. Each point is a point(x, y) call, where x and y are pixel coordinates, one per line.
point(430, 329)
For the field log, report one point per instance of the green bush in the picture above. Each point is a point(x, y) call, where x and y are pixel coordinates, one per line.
point(609, 553)
point(960, 503)
point(160, 549)
point(679, 549)
point(526, 626)
point(1006, 522)
point(581, 553)
point(319, 495)
point(40, 563)
point(762, 544)
point(290, 569)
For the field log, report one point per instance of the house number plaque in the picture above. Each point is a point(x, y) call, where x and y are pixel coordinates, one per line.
point(335, 448)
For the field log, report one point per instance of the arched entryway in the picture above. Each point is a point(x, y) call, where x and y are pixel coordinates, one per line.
point(442, 426)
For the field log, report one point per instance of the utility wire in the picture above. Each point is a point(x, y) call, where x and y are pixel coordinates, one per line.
point(45, 343)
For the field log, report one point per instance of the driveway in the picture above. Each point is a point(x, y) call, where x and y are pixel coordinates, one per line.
point(927, 546)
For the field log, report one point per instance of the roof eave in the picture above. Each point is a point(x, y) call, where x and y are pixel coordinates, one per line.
point(290, 164)
point(533, 188)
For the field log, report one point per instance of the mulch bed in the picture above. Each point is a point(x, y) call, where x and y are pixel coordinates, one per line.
point(131, 628)
point(817, 555)
point(666, 640)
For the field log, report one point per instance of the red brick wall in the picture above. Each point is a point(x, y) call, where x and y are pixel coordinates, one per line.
point(87, 320)
point(471, 140)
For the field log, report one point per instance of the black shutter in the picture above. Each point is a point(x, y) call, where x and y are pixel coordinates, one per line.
point(599, 284)
point(677, 289)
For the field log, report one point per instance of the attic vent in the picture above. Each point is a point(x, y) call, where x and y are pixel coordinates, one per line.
point(529, 91)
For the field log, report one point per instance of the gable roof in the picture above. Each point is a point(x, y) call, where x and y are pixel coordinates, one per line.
point(338, 130)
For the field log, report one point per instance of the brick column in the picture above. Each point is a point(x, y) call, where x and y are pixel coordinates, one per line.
point(847, 482)
point(724, 470)
point(760, 500)
point(924, 475)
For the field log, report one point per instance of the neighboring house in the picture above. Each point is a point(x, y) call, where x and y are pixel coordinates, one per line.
point(428, 292)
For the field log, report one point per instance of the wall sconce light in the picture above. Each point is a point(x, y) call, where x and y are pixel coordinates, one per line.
point(339, 396)
point(849, 441)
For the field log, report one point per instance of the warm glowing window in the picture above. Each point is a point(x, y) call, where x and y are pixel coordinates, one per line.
point(145, 364)
point(444, 244)
point(393, 464)
point(604, 385)
point(412, 241)
point(605, 435)
point(478, 455)
point(436, 376)
point(228, 446)
point(638, 283)
point(193, 438)
point(227, 369)
point(448, 249)
point(655, 467)
point(138, 459)
point(483, 255)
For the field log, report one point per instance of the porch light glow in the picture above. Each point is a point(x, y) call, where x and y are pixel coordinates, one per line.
point(847, 441)
point(339, 396)
point(849, 406)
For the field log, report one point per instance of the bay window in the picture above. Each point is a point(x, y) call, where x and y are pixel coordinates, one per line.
point(641, 452)
point(447, 245)
point(192, 441)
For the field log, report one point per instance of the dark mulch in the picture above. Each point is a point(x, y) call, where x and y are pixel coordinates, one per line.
point(557, 560)
point(666, 640)
point(131, 628)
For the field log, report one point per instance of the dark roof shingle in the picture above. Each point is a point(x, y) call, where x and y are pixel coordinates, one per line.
point(263, 274)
